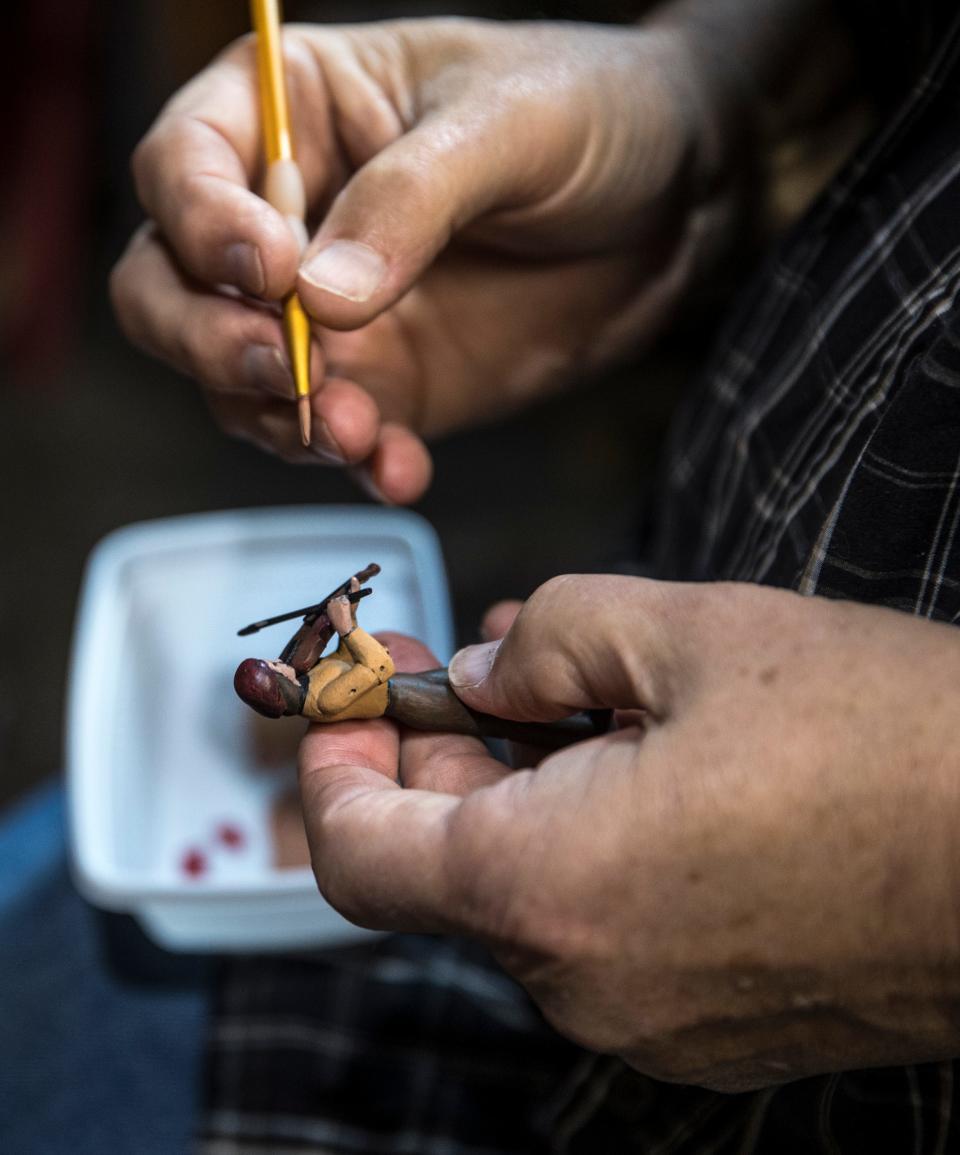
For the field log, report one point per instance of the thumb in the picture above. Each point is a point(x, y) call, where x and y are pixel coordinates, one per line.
point(396, 214)
point(583, 643)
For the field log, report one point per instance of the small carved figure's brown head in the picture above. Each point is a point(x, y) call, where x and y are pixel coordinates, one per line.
point(266, 690)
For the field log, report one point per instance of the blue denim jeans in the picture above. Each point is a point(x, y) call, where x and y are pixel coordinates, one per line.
point(91, 1063)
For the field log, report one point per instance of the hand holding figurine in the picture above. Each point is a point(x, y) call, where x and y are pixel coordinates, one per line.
point(750, 882)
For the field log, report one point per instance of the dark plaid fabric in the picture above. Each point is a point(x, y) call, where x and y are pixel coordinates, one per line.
point(405, 1044)
point(821, 450)
point(896, 40)
point(821, 453)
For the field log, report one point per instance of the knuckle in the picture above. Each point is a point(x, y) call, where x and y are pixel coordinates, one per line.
point(239, 52)
point(410, 179)
point(192, 191)
point(334, 887)
point(232, 333)
point(579, 1023)
point(331, 830)
point(211, 342)
point(144, 165)
point(539, 604)
point(491, 857)
point(197, 229)
point(125, 290)
point(162, 180)
point(577, 1004)
point(545, 626)
point(565, 594)
point(555, 589)
point(191, 348)
point(118, 287)
point(481, 881)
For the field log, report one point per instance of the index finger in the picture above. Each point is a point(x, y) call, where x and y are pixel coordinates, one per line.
point(379, 853)
point(385, 856)
point(194, 171)
point(412, 860)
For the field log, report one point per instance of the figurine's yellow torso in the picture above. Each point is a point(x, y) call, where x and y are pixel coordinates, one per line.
point(351, 683)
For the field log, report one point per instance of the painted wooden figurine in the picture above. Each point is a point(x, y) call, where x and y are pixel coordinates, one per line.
point(359, 680)
point(349, 683)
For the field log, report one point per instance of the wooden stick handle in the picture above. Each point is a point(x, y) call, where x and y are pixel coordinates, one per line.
point(427, 702)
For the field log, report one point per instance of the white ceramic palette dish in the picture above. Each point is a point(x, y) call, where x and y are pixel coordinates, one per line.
point(164, 761)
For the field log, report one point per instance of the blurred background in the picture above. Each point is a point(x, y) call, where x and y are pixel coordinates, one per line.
point(94, 436)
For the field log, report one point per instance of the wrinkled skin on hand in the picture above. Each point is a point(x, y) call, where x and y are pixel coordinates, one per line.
point(534, 199)
point(753, 880)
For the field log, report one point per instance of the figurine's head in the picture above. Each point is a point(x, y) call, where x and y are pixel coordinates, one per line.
point(267, 689)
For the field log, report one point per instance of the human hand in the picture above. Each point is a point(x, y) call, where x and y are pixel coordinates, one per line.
point(752, 882)
point(505, 205)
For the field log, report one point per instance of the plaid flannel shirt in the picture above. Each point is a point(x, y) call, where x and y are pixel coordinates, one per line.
point(821, 453)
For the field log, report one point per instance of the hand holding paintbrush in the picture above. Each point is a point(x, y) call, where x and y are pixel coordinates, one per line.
point(411, 135)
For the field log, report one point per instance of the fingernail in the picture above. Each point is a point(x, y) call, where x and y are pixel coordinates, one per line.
point(470, 666)
point(347, 269)
point(324, 445)
point(265, 370)
point(244, 268)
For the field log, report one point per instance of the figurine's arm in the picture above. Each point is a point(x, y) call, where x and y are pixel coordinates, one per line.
point(359, 689)
point(366, 651)
point(356, 645)
point(371, 667)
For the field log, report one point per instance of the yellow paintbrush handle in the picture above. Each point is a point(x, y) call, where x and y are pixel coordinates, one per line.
point(273, 92)
point(283, 187)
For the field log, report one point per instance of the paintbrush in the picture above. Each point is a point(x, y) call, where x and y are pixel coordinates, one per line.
point(283, 188)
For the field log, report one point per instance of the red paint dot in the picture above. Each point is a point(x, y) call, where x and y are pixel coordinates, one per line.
point(231, 836)
point(194, 863)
